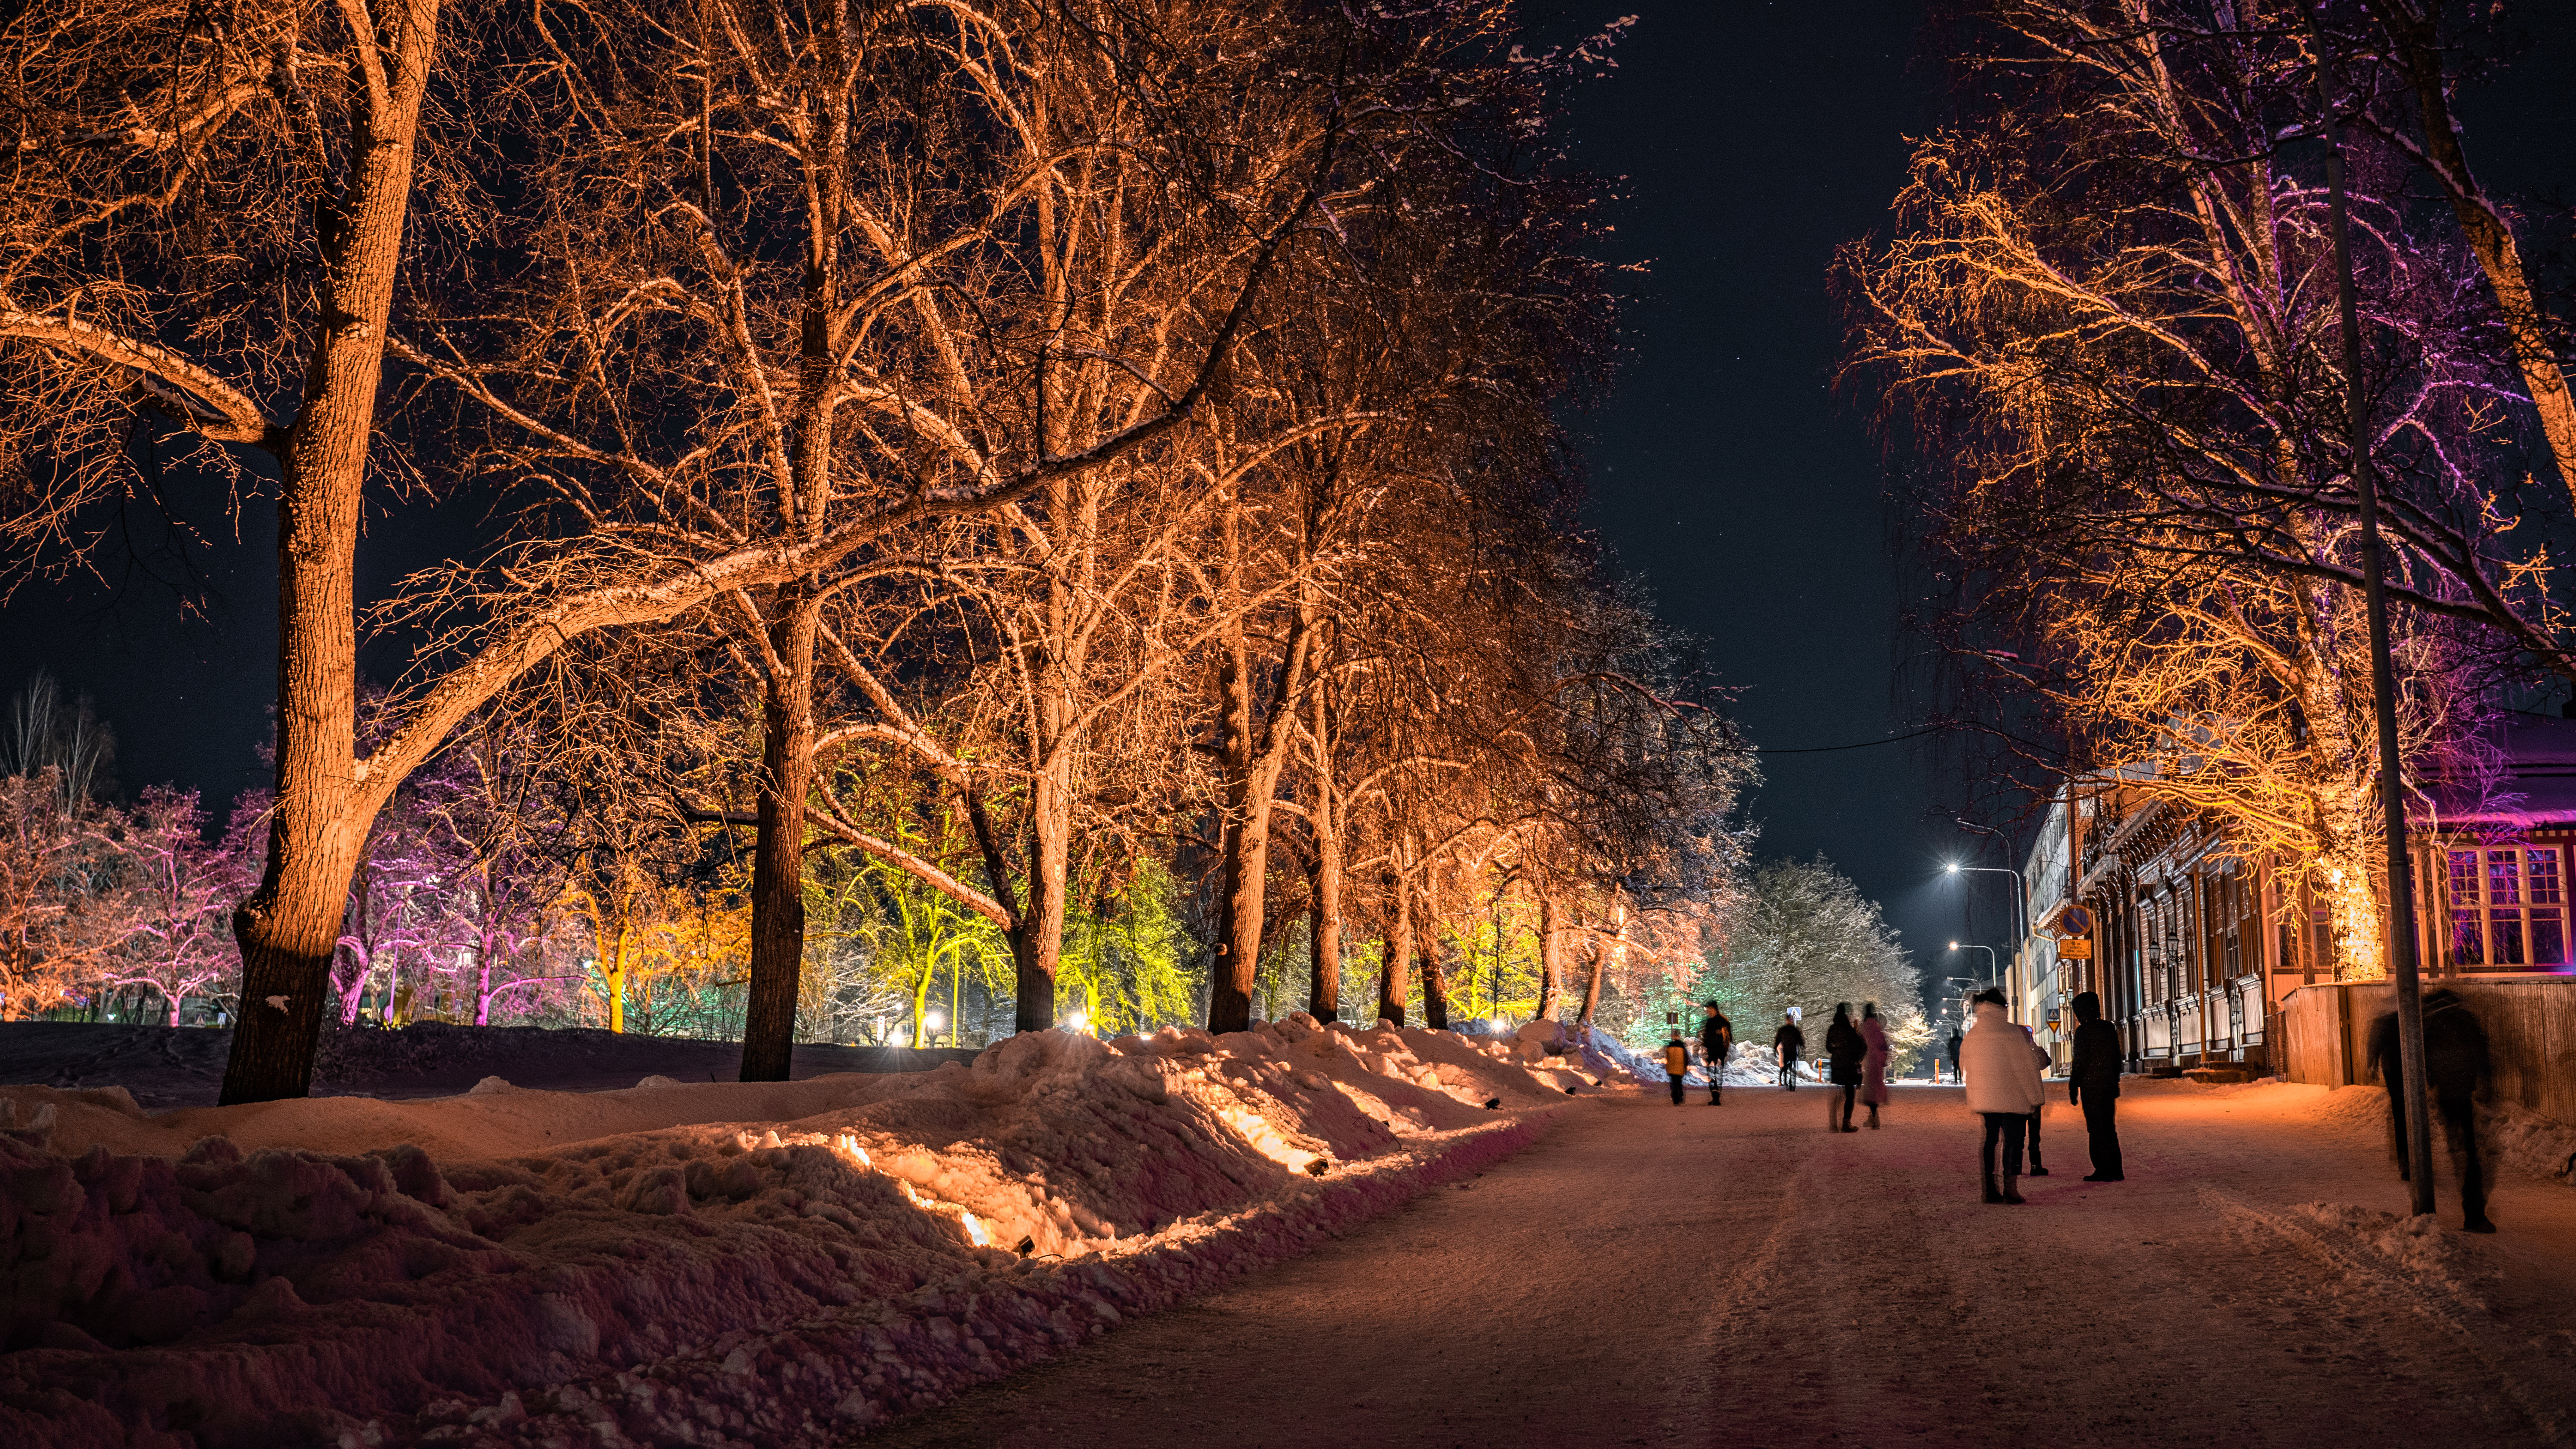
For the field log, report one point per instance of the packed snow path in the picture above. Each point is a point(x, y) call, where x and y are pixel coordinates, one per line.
point(1655, 1275)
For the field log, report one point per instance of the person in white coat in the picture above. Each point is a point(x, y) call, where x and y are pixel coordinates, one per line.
point(2002, 1077)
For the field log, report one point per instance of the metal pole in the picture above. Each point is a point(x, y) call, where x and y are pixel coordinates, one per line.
point(2383, 683)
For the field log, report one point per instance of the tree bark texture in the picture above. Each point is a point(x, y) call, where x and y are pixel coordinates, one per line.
point(1592, 986)
point(778, 859)
point(290, 926)
point(1392, 985)
point(1254, 743)
point(1037, 942)
point(1551, 940)
point(1435, 984)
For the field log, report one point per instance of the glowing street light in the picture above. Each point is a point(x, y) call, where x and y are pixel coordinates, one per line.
point(1990, 958)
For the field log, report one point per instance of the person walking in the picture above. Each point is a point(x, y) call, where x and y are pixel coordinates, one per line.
point(1676, 1064)
point(1844, 1052)
point(1716, 1042)
point(2458, 1067)
point(1873, 1067)
point(2093, 1083)
point(1788, 1043)
point(1954, 1057)
point(2002, 1078)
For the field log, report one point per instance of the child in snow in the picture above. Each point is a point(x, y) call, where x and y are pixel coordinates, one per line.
point(1676, 1064)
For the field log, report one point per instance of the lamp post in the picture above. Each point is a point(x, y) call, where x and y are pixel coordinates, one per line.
point(1990, 962)
point(2402, 966)
point(2021, 900)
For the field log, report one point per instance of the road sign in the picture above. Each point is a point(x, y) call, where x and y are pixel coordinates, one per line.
point(2072, 921)
point(2074, 950)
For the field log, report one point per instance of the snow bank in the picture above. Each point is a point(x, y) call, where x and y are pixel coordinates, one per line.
point(770, 1264)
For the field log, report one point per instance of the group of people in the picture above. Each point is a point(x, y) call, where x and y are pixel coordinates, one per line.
point(1999, 1060)
point(1856, 1056)
point(2001, 1063)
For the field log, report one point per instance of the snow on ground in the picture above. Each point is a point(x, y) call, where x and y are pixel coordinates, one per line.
point(770, 1264)
point(1707, 1275)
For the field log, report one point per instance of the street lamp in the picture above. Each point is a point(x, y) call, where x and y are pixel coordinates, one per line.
point(2021, 903)
point(2021, 906)
point(1990, 962)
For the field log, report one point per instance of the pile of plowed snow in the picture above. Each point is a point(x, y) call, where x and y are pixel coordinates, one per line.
point(770, 1264)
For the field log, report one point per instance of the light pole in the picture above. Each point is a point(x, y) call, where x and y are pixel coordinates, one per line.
point(2402, 966)
point(2021, 902)
point(1990, 962)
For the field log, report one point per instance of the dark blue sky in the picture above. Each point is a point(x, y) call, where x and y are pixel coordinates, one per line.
point(1754, 138)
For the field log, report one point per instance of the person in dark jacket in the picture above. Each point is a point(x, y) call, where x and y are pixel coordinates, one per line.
point(1789, 1043)
point(1954, 1058)
point(2093, 1083)
point(1844, 1050)
point(2458, 1069)
point(1716, 1040)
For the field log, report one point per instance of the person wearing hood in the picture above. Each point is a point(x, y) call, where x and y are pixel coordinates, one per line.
point(1873, 1067)
point(1844, 1052)
point(2002, 1078)
point(2458, 1068)
point(2093, 1083)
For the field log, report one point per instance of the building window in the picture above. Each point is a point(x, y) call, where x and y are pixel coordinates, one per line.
point(2508, 907)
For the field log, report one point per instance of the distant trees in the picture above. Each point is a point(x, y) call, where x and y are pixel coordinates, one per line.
point(1805, 937)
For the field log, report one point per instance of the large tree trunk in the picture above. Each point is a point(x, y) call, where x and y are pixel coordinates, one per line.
point(290, 926)
point(778, 861)
point(1435, 983)
point(1592, 987)
point(1255, 749)
point(1604, 957)
point(1324, 1001)
point(1037, 942)
point(1392, 985)
point(1550, 938)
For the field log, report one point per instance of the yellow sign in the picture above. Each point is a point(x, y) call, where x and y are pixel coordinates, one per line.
point(2074, 950)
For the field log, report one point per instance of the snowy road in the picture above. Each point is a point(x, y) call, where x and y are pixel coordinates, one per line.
point(1653, 1275)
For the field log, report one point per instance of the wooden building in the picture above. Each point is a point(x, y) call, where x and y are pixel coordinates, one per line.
point(2192, 952)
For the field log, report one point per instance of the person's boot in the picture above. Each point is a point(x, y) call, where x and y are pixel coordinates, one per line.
point(1873, 1119)
point(1991, 1194)
point(2010, 1195)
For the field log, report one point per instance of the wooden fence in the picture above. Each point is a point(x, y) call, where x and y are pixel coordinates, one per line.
point(2530, 1023)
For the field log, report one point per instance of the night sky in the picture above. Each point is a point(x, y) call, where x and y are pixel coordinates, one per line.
point(1753, 138)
